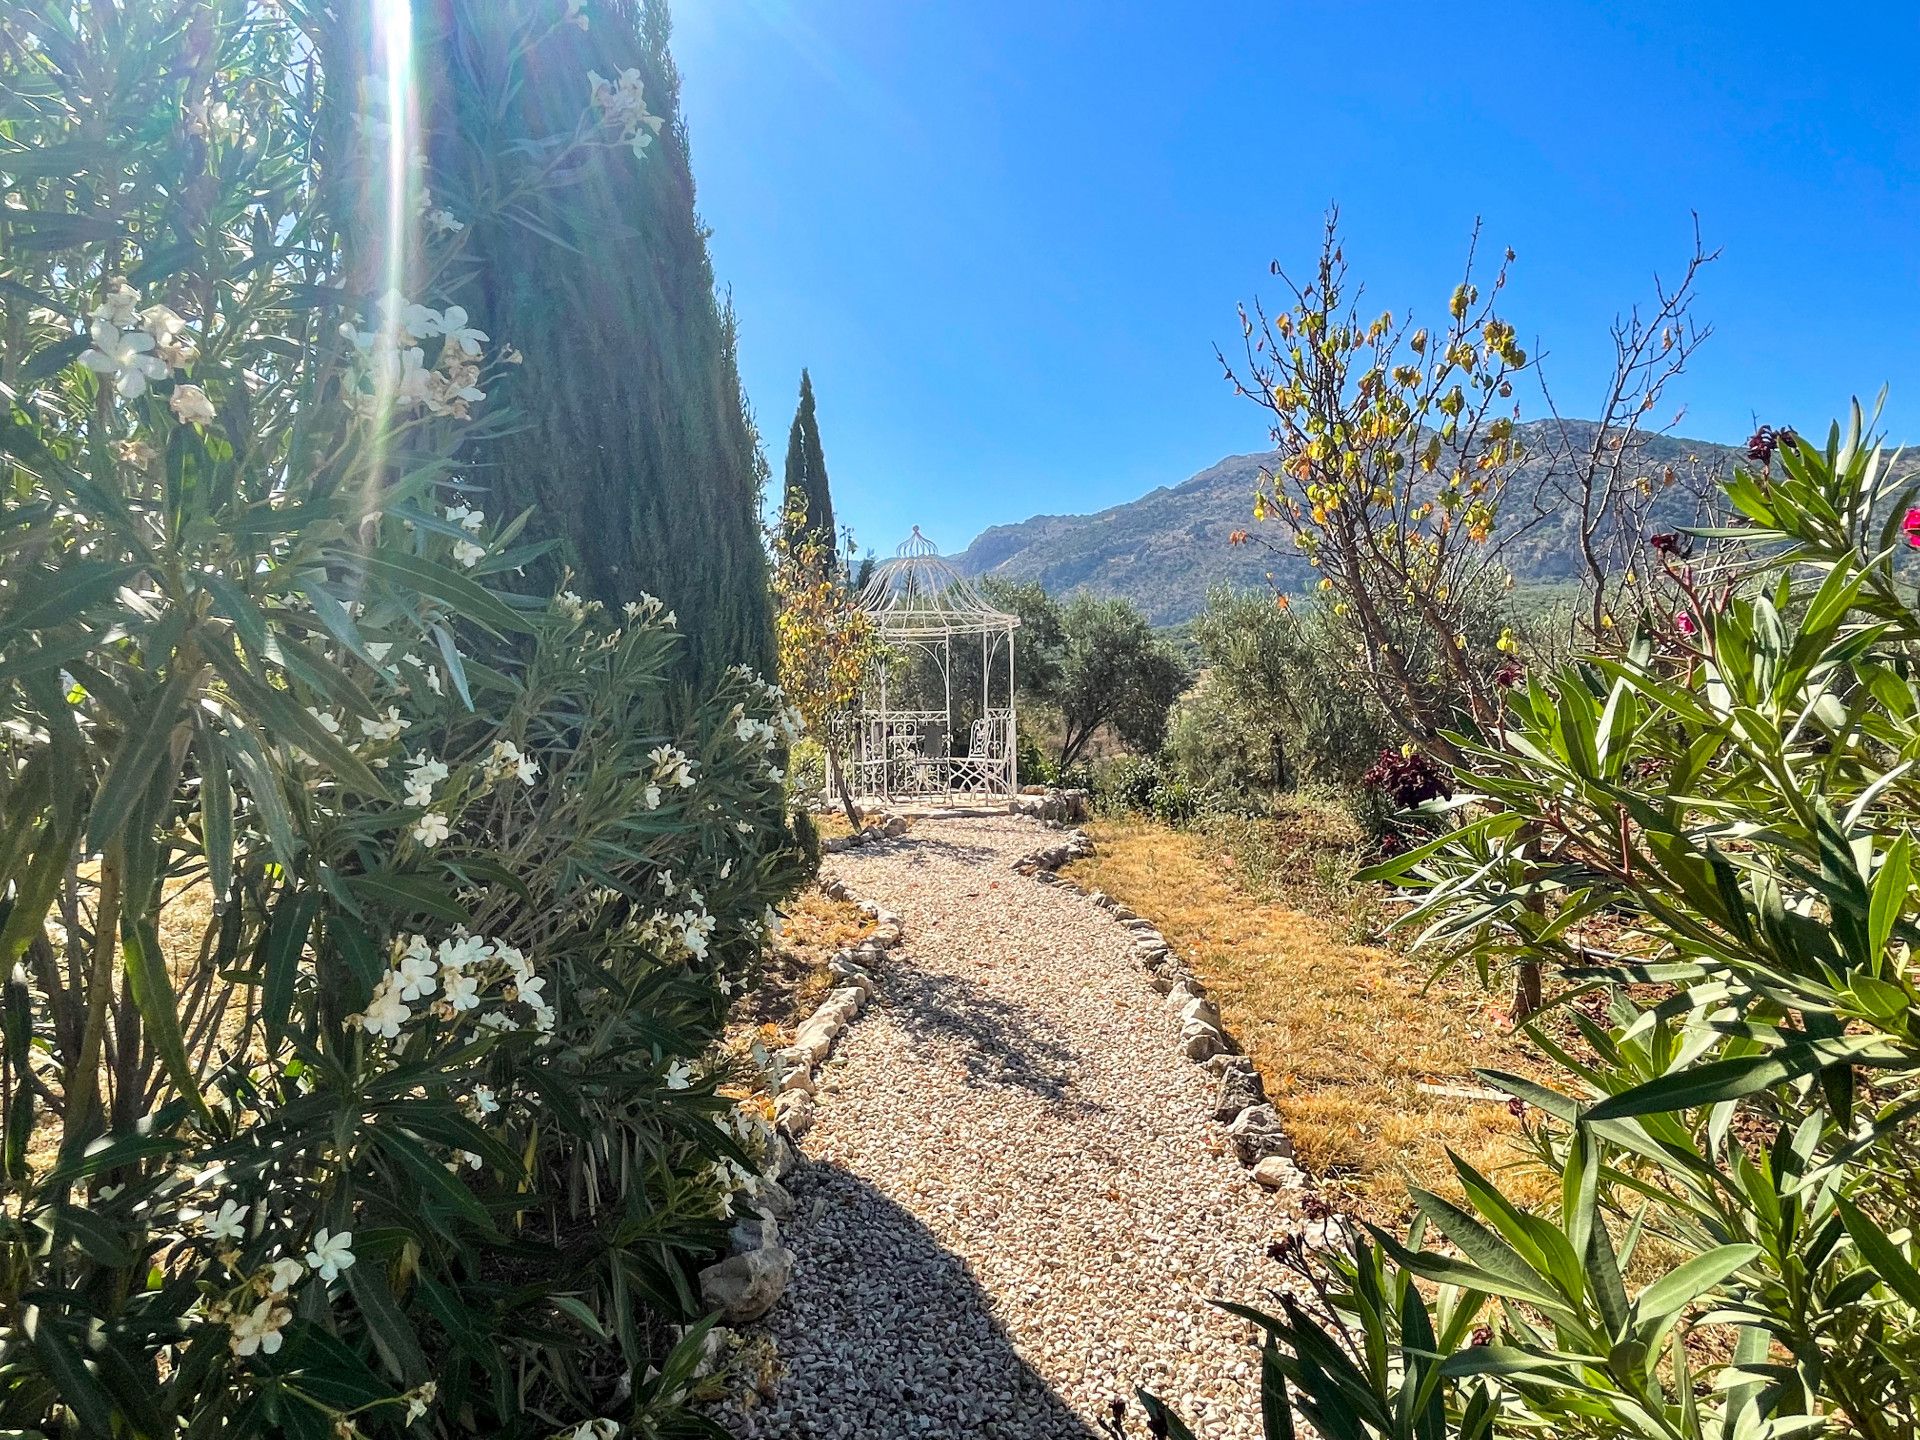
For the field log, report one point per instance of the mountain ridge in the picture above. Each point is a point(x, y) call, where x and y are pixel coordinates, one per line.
point(1164, 549)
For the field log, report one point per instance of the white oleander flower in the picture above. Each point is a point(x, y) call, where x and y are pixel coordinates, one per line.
point(119, 305)
point(415, 977)
point(259, 1329)
point(191, 406)
point(424, 773)
point(484, 1102)
point(329, 723)
point(527, 768)
point(283, 1274)
point(331, 1253)
point(576, 13)
point(419, 1399)
point(671, 767)
point(459, 334)
point(387, 727)
point(431, 828)
point(123, 356)
point(651, 797)
point(515, 960)
point(443, 223)
point(386, 1011)
point(227, 1224)
point(464, 951)
point(468, 554)
point(679, 1075)
point(463, 991)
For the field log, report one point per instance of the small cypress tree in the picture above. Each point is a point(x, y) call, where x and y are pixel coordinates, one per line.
point(806, 510)
point(632, 439)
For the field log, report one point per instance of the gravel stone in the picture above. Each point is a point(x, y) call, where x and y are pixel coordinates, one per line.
point(1012, 1207)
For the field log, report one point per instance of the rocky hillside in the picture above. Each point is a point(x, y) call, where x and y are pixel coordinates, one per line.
point(1165, 549)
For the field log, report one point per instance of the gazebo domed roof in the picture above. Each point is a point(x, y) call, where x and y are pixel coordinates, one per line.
point(918, 595)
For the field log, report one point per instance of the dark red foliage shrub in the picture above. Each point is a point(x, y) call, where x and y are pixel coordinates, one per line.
point(1407, 780)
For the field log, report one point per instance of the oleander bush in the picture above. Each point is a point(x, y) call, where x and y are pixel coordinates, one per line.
point(1709, 841)
point(365, 920)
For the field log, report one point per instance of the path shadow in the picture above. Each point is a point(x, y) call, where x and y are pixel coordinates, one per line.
point(999, 1043)
point(885, 1333)
point(920, 848)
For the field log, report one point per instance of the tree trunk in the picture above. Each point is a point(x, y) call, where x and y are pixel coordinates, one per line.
point(836, 778)
point(1527, 997)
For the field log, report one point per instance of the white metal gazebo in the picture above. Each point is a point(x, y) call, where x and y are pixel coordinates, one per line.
point(930, 617)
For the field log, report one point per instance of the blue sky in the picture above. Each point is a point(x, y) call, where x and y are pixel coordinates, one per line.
point(1006, 236)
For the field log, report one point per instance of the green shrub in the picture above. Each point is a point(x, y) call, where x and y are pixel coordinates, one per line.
point(402, 1124)
point(807, 772)
point(1210, 747)
point(1280, 684)
point(1036, 766)
point(806, 842)
point(1710, 841)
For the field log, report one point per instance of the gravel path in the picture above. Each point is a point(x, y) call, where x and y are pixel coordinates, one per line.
point(1012, 1208)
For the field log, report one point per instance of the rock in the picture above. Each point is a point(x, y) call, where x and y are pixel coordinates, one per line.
point(794, 1113)
point(770, 1198)
point(1201, 1009)
point(895, 827)
point(1328, 1234)
point(1185, 991)
point(1198, 1041)
point(744, 1287)
point(1162, 980)
point(848, 999)
point(815, 1037)
point(1255, 1134)
point(853, 977)
point(798, 1079)
point(1277, 1172)
point(1239, 1089)
point(781, 1158)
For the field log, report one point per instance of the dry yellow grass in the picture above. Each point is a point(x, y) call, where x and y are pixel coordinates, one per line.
point(794, 978)
point(1344, 1035)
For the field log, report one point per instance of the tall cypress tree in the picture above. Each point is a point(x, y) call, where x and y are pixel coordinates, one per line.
point(807, 508)
point(631, 437)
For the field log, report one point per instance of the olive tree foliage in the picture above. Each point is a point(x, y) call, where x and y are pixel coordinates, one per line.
point(1092, 663)
point(1273, 709)
point(1708, 840)
point(1114, 670)
point(364, 919)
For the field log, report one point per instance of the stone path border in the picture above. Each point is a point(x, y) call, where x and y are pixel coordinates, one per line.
point(748, 1281)
point(1240, 1099)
